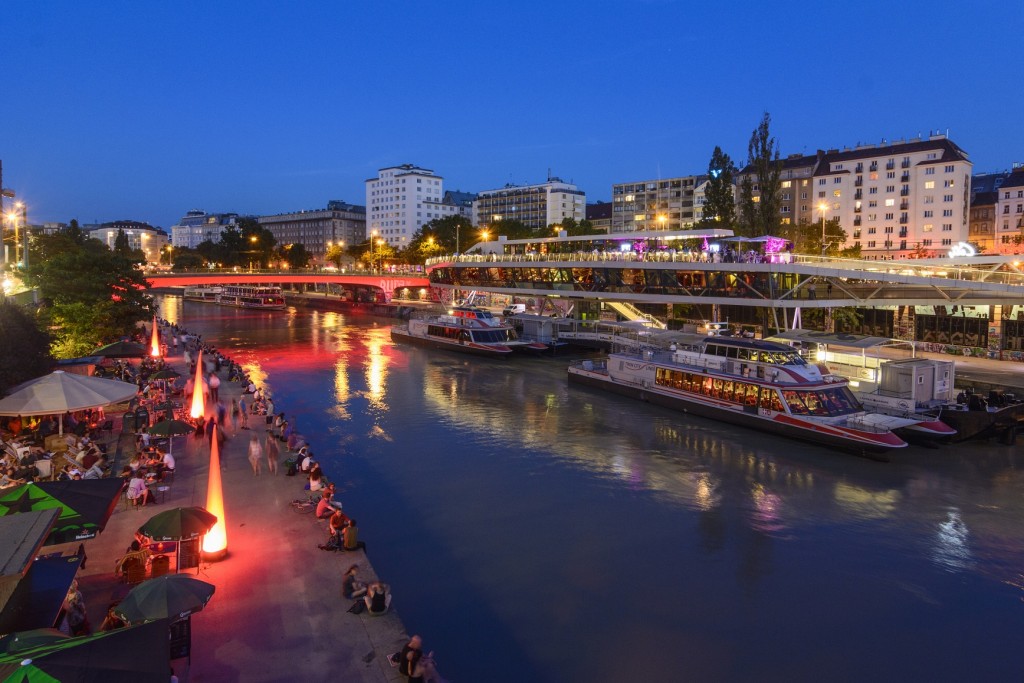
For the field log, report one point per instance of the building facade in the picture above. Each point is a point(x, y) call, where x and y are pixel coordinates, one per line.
point(654, 204)
point(401, 199)
point(461, 201)
point(197, 226)
point(982, 223)
point(536, 206)
point(1009, 233)
point(319, 229)
point(894, 200)
point(600, 216)
point(143, 236)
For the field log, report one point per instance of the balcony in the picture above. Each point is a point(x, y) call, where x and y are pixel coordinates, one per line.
point(858, 194)
point(859, 169)
point(905, 164)
point(856, 221)
point(903, 232)
point(890, 166)
point(858, 182)
point(905, 192)
point(873, 167)
point(856, 209)
point(905, 178)
point(904, 219)
point(904, 206)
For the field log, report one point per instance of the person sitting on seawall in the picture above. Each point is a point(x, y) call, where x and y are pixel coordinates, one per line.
point(350, 536)
point(351, 586)
point(337, 523)
point(327, 506)
point(413, 663)
point(377, 598)
point(316, 478)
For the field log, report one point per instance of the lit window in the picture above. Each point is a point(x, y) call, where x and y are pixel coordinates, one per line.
point(929, 185)
point(787, 183)
point(837, 193)
point(890, 202)
point(927, 227)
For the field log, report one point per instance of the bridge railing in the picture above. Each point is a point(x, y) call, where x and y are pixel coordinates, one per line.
point(398, 272)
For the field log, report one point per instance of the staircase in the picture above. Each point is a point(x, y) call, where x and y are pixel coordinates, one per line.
point(634, 314)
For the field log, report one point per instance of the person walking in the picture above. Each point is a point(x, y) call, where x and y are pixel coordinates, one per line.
point(214, 383)
point(233, 415)
point(243, 412)
point(273, 454)
point(255, 454)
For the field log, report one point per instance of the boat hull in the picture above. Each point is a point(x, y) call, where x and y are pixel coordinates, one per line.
point(402, 336)
point(748, 417)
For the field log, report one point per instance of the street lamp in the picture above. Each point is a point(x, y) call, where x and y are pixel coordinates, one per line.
point(373, 262)
point(661, 219)
point(823, 207)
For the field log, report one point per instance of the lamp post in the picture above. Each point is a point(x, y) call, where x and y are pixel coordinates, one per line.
point(822, 207)
point(456, 238)
point(253, 239)
point(373, 261)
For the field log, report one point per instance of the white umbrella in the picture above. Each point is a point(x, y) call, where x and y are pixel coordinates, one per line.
point(62, 392)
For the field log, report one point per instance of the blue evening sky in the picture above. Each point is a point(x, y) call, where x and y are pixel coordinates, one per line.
point(144, 110)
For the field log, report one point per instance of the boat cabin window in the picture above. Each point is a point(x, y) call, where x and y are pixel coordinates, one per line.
point(824, 403)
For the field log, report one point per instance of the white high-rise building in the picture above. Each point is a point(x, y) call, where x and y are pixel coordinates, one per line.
point(400, 200)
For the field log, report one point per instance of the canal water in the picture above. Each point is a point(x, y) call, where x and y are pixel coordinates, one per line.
point(535, 532)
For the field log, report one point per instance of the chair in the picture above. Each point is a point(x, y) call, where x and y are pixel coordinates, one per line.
point(44, 468)
point(107, 426)
point(134, 570)
point(160, 565)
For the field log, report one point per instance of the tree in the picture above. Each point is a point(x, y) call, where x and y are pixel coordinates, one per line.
point(571, 227)
point(719, 202)
point(514, 230)
point(748, 208)
point(376, 253)
point(335, 254)
point(806, 238)
point(89, 292)
point(763, 161)
point(121, 243)
point(26, 347)
point(187, 259)
point(295, 255)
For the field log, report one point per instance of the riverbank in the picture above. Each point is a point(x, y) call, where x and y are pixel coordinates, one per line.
point(277, 614)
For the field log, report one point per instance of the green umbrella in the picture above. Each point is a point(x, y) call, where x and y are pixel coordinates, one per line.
point(178, 524)
point(173, 596)
point(121, 349)
point(125, 655)
point(170, 429)
point(85, 506)
point(26, 640)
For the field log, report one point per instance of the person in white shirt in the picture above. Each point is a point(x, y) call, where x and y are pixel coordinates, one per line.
point(168, 461)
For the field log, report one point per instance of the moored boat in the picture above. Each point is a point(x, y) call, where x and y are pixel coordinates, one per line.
point(757, 384)
point(252, 296)
point(466, 329)
point(202, 293)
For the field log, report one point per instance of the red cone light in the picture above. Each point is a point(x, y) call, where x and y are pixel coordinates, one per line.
point(215, 543)
point(198, 408)
point(154, 344)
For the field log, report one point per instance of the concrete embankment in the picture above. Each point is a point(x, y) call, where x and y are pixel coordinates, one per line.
point(278, 613)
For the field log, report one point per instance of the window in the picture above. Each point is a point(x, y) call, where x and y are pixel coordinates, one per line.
point(947, 241)
point(929, 199)
point(947, 227)
point(949, 169)
point(890, 174)
point(872, 190)
point(947, 212)
point(821, 195)
point(872, 216)
point(872, 203)
point(930, 170)
point(871, 244)
point(890, 202)
point(888, 216)
point(927, 227)
point(839, 167)
point(872, 231)
point(929, 213)
point(947, 197)
point(839, 193)
point(890, 188)
point(787, 183)
point(785, 197)
point(929, 185)
point(948, 183)
point(803, 195)
point(837, 180)
point(873, 176)
point(926, 243)
point(888, 229)
point(821, 181)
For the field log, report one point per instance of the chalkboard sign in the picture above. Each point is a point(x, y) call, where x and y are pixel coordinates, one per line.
point(181, 638)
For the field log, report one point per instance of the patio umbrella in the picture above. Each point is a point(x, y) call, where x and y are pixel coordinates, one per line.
point(27, 640)
point(125, 655)
point(85, 506)
point(173, 596)
point(121, 349)
point(171, 429)
point(178, 524)
point(61, 392)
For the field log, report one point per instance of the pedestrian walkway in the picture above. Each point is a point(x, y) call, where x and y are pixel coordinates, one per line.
point(277, 614)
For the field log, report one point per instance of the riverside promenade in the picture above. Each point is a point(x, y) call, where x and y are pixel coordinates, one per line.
point(277, 613)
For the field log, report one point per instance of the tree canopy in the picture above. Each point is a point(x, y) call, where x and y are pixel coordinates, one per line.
point(760, 214)
point(719, 203)
point(26, 347)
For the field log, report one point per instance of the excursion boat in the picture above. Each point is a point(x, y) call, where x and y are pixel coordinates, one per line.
point(203, 293)
point(466, 329)
point(251, 296)
point(753, 383)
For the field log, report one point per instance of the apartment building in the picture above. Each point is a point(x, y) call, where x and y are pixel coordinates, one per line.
point(319, 229)
point(982, 223)
point(1009, 213)
point(894, 200)
point(143, 236)
point(663, 204)
point(536, 206)
point(401, 199)
point(197, 226)
point(600, 216)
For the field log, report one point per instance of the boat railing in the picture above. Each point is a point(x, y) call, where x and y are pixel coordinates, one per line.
point(591, 364)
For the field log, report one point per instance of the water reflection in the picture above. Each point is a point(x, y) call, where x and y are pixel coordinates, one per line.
point(532, 511)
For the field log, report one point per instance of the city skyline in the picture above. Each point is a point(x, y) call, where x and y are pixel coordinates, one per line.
point(116, 113)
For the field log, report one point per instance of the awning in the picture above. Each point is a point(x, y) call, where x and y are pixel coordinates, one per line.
point(853, 341)
point(37, 600)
